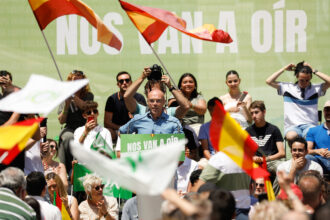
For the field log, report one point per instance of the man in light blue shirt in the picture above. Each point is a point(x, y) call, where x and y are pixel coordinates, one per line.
point(155, 121)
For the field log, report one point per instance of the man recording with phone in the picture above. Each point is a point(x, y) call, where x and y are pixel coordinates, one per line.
point(156, 80)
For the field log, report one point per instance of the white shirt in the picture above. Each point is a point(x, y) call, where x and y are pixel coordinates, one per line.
point(183, 173)
point(91, 136)
point(32, 160)
point(48, 211)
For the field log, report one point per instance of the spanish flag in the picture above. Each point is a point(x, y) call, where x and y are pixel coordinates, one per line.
point(152, 22)
point(13, 138)
point(46, 11)
point(227, 136)
point(58, 202)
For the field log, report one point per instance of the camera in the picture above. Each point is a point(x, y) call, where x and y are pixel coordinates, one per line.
point(156, 72)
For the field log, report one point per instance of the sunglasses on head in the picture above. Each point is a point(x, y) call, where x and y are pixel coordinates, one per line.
point(260, 184)
point(95, 111)
point(121, 81)
point(3, 73)
point(77, 72)
point(97, 188)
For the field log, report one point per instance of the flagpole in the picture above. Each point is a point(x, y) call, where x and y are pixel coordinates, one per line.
point(51, 54)
point(161, 62)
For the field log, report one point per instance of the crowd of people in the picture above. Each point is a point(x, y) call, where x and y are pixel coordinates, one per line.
point(207, 184)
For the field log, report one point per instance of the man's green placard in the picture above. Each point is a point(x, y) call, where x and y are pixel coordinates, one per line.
point(131, 143)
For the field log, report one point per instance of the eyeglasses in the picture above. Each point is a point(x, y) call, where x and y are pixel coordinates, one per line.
point(97, 188)
point(77, 72)
point(121, 81)
point(298, 150)
point(95, 111)
point(260, 184)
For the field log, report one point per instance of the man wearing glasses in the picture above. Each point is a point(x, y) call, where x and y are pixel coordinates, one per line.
point(116, 113)
point(298, 163)
point(92, 131)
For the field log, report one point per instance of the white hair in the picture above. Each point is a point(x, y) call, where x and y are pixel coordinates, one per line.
point(90, 180)
point(12, 178)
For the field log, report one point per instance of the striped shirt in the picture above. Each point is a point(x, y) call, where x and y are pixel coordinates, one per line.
point(226, 174)
point(12, 207)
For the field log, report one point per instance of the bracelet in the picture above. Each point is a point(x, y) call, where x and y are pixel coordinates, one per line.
point(315, 71)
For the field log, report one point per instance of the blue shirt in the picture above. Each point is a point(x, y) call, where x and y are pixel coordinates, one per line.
point(320, 136)
point(204, 133)
point(145, 124)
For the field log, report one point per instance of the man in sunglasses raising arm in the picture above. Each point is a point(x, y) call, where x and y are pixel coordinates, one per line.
point(116, 113)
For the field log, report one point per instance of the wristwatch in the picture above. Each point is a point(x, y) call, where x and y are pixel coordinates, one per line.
point(315, 71)
point(172, 88)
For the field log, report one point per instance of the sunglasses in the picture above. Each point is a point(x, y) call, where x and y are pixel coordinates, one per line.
point(3, 73)
point(77, 72)
point(260, 184)
point(97, 188)
point(298, 150)
point(95, 111)
point(121, 81)
point(52, 146)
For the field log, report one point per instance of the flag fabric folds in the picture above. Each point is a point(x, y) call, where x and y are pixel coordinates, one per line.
point(41, 95)
point(146, 173)
point(152, 22)
point(58, 202)
point(46, 11)
point(13, 138)
point(227, 136)
point(268, 183)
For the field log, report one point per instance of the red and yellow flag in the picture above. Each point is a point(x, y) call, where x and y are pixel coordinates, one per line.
point(58, 202)
point(227, 136)
point(46, 11)
point(13, 138)
point(268, 183)
point(152, 22)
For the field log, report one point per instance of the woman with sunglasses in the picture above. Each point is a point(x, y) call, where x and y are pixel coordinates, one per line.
point(235, 101)
point(97, 206)
point(70, 114)
point(48, 153)
point(195, 115)
point(55, 186)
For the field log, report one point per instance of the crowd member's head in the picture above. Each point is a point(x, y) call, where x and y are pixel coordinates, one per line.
point(93, 187)
point(91, 113)
point(326, 111)
point(298, 148)
point(156, 101)
point(205, 189)
point(154, 85)
point(188, 85)
point(76, 75)
point(5, 78)
point(36, 184)
point(232, 80)
point(324, 184)
point(194, 177)
point(304, 74)
point(211, 103)
point(258, 112)
point(55, 184)
point(52, 147)
point(13, 179)
point(259, 187)
point(269, 210)
point(311, 187)
point(223, 205)
point(35, 205)
point(124, 80)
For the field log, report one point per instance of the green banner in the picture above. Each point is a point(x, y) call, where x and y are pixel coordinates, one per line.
point(267, 35)
point(132, 143)
point(110, 189)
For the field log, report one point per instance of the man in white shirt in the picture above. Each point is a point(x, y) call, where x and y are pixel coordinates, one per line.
point(92, 135)
point(36, 188)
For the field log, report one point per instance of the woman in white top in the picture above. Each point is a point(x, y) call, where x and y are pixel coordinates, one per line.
point(239, 110)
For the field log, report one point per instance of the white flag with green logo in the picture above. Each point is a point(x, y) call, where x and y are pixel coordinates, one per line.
point(146, 173)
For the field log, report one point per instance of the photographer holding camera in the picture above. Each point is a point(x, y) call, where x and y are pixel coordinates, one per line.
point(156, 80)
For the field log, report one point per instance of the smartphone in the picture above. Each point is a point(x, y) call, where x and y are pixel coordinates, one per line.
point(243, 96)
point(90, 118)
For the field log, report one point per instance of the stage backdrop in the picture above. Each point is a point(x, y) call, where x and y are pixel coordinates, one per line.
point(267, 35)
